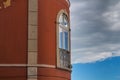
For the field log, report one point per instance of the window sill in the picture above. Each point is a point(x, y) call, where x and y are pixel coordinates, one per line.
point(65, 69)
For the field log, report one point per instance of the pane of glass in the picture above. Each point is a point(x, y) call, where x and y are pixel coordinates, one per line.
point(65, 21)
point(60, 19)
point(65, 40)
point(60, 38)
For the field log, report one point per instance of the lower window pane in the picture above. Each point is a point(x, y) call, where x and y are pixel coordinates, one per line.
point(64, 59)
point(66, 40)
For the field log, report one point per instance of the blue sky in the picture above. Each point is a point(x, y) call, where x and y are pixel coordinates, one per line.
point(108, 69)
point(95, 26)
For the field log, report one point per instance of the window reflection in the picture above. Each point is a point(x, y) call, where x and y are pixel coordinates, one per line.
point(63, 39)
point(63, 21)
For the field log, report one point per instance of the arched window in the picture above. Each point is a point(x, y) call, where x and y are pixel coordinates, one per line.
point(63, 40)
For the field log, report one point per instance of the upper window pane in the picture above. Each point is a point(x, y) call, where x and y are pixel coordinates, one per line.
point(63, 21)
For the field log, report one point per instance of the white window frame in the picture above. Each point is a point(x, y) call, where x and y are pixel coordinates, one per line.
point(67, 29)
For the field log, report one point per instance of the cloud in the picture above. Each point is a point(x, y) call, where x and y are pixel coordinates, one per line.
point(95, 30)
point(90, 57)
point(116, 53)
point(112, 17)
point(93, 54)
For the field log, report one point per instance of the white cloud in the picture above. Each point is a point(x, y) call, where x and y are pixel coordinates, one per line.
point(116, 53)
point(79, 56)
point(90, 57)
point(95, 53)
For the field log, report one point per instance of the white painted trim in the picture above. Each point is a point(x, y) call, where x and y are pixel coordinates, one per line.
point(28, 65)
point(13, 65)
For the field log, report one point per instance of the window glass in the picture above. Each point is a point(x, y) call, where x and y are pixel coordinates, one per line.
point(65, 40)
point(63, 21)
point(60, 38)
point(63, 33)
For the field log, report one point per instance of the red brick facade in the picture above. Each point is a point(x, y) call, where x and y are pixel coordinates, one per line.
point(14, 31)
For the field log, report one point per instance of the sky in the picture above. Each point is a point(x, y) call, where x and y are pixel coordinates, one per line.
point(95, 30)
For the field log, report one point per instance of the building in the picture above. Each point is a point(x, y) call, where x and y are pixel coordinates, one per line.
point(35, 40)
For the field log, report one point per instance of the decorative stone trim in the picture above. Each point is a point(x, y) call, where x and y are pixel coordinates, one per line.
point(28, 65)
point(32, 40)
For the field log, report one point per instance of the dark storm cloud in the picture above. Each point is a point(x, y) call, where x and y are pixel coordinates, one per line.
point(95, 29)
